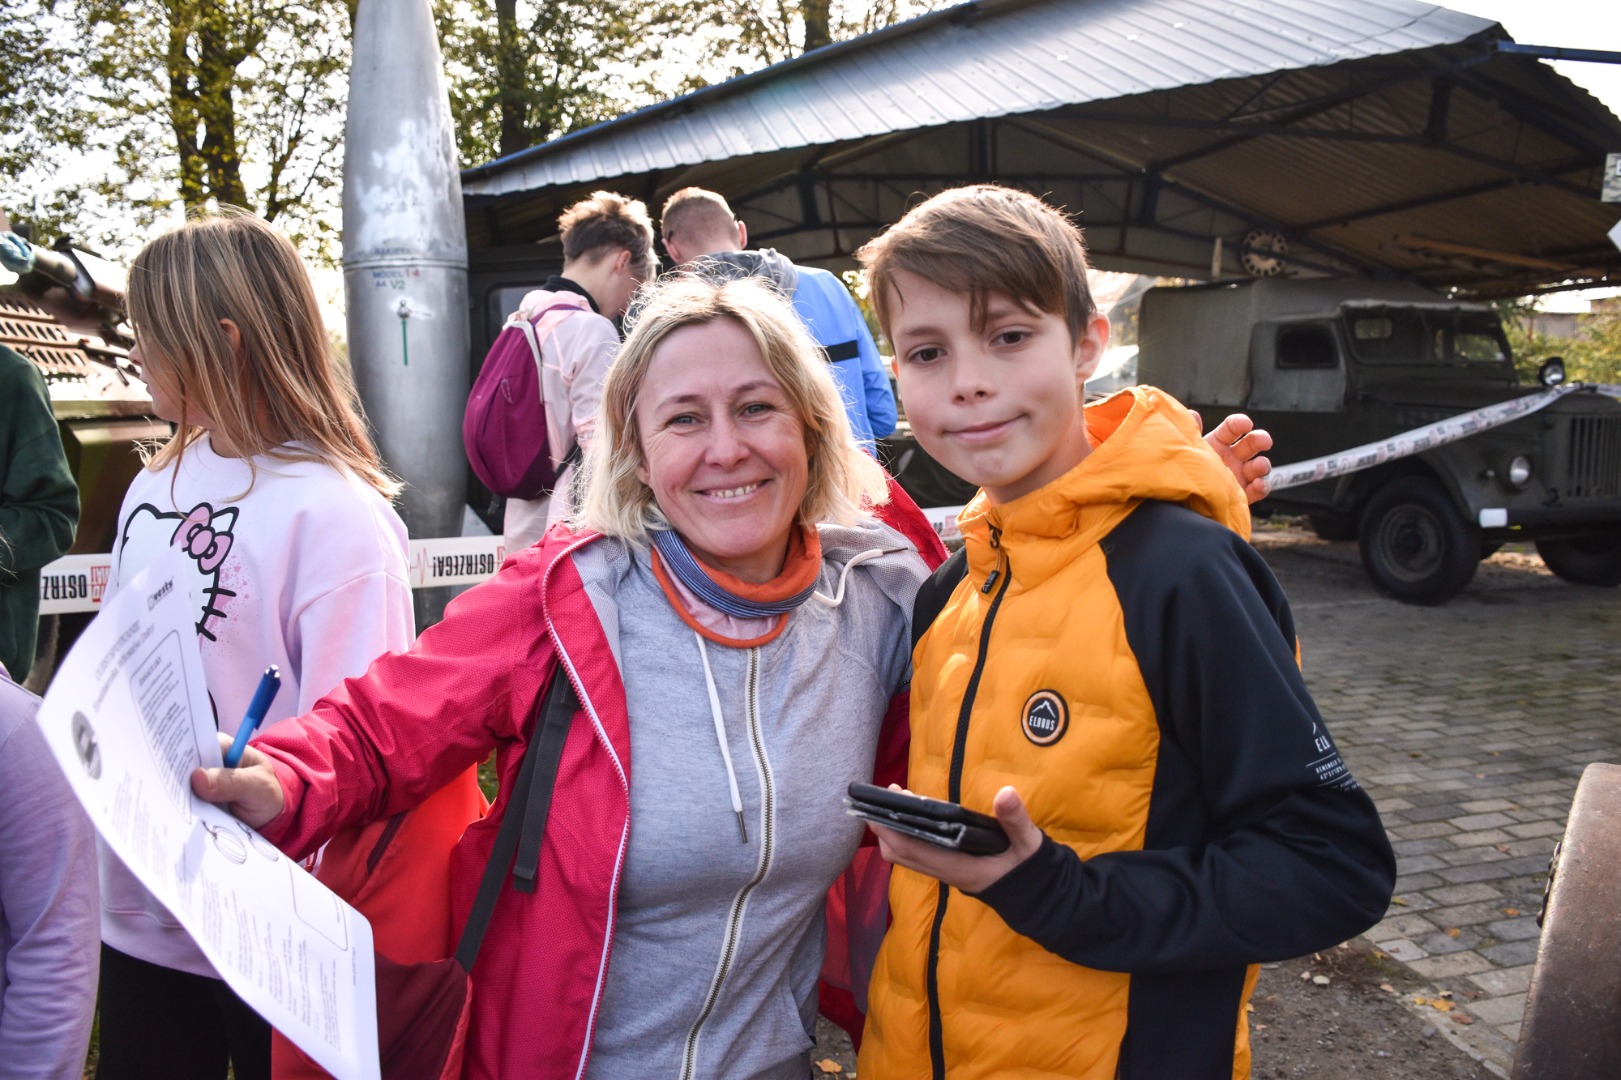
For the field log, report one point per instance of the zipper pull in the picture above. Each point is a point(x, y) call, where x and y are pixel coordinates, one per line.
point(990, 582)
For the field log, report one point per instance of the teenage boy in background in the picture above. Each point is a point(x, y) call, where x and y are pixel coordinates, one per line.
point(702, 236)
point(1111, 670)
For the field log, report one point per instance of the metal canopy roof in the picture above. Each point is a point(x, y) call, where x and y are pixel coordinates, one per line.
point(1387, 137)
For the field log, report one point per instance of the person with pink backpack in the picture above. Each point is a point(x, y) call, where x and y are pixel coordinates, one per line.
point(562, 335)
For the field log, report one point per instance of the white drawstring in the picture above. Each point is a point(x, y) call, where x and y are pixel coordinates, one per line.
point(720, 736)
point(855, 560)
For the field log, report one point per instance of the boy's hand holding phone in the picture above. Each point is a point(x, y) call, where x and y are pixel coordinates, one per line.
point(969, 873)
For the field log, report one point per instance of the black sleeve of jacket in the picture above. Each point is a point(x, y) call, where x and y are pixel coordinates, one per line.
point(1260, 845)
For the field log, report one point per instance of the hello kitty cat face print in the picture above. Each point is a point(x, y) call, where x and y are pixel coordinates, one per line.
point(204, 534)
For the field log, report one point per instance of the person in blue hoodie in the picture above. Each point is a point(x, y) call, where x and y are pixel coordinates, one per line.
point(701, 235)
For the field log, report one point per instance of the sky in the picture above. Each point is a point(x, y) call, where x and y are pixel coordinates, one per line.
point(1571, 24)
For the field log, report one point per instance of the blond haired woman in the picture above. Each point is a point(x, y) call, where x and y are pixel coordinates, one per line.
point(733, 619)
point(274, 493)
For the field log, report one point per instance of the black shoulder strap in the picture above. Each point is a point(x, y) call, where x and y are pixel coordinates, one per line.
point(525, 822)
point(932, 597)
point(843, 350)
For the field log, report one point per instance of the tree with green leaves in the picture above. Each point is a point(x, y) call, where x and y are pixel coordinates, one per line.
point(195, 103)
point(1593, 354)
point(525, 71)
point(750, 35)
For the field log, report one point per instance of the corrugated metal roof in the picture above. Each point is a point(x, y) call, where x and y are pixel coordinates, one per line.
point(979, 60)
point(1374, 136)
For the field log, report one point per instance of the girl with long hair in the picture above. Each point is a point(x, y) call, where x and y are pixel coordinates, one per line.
point(272, 488)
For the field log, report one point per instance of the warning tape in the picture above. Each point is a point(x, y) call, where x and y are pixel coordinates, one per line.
point(1421, 439)
point(77, 583)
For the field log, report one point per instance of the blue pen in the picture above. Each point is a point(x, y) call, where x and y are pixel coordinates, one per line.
point(269, 683)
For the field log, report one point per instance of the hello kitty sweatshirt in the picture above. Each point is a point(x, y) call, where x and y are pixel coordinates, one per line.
point(290, 563)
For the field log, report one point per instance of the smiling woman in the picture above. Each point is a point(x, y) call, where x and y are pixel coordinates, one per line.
point(731, 608)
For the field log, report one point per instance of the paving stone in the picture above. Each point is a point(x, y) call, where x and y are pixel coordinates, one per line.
point(1428, 846)
point(1471, 822)
point(1464, 915)
point(1500, 981)
point(1538, 828)
point(1403, 950)
point(1441, 967)
point(1427, 830)
point(1459, 875)
point(1521, 928)
point(1499, 1010)
point(1477, 839)
point(1417, 882)
point(1413, 901)
point(1511, 954)
point(1470, 856)
point(1433, 813)
point(1460, 939)
point(1464, 894)
point(1484, 806)
point(1401, 926)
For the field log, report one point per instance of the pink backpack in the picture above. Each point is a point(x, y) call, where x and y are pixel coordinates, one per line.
point(504, 428)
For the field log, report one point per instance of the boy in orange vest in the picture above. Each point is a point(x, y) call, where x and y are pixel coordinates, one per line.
point(1111, 670)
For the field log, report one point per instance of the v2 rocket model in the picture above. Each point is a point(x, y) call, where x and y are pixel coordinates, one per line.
point(405, 265)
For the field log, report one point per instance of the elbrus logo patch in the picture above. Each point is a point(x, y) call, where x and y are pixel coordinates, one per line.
point(1046, 717)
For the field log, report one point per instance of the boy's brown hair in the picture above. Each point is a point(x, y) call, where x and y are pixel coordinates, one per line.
point(607, 222)
point(695, 213)
point(980, 240)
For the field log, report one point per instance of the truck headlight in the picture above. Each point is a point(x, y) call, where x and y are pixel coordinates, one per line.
point(1519, 472)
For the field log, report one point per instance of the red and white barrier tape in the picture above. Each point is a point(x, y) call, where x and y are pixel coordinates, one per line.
point(1418, 440)
point(77, 582)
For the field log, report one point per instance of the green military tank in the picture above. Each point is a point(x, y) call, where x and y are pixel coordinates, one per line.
point(65, 313)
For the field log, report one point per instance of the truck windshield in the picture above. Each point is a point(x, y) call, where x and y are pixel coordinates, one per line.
point(1417, 336)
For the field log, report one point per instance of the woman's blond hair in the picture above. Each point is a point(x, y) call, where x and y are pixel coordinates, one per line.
point(281, 394)
point(844, 482)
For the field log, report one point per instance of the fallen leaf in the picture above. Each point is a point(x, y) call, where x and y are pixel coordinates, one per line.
point(1452, 931)
point(1414, 753)
point(1463, 1018)
point(828, 1065)
point(1345, 945)
point(1398, 900)
point(1503, 848)
point(1260, 1027)
point(1444, 994)
point(1320, 980)
point(1442, 1006)
point(1511, 911)
point(1305, 976)
point(1387, 988)
point(1249, 1006)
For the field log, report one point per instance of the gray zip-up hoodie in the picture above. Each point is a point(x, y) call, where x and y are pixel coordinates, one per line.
point(717, 941)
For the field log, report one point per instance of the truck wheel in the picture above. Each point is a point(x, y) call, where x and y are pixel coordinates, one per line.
point(1588, 560)
point(1415, 545)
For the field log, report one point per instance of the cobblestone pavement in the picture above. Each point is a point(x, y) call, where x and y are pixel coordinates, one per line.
point(1469, 724)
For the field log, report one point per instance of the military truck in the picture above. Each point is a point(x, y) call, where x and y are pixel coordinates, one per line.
point(1331, 364)
point(65, 313)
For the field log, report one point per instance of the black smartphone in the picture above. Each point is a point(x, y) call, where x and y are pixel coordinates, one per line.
point(939, 822)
